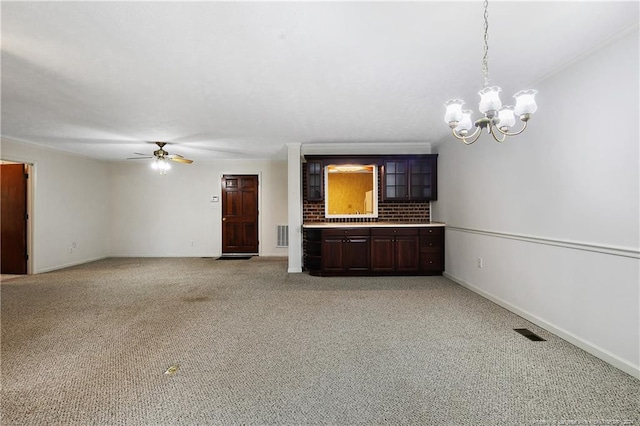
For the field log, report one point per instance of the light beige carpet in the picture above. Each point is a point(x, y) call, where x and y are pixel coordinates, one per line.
point(254, 345)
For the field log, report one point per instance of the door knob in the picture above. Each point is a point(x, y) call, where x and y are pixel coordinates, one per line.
point(224, 218)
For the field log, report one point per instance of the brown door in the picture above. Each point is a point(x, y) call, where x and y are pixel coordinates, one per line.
point(13, 213)
point(240, 214)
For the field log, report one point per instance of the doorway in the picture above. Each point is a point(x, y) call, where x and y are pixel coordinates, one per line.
point(14, 209)
point(239, 215)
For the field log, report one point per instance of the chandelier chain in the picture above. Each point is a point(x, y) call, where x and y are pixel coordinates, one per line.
point(485, 58)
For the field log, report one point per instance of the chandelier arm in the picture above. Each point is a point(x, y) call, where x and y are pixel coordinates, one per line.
point(500, 137)
point(513, 133)
point(475, 135)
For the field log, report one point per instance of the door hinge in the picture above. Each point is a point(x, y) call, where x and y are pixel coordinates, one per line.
point(26, 175)
point(26, 257)
point(26, 216)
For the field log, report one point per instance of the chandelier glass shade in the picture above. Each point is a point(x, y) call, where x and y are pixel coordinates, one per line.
point(498, 119)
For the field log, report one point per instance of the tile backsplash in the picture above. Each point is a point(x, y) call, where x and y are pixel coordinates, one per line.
point(410, 211)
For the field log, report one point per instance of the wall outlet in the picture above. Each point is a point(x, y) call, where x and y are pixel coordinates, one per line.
point(74, 244)
point(480, 262)
point(70, 250)
point(193, 243)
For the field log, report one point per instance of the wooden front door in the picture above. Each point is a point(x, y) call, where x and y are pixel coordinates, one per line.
point(13, 210)
point(240, 214)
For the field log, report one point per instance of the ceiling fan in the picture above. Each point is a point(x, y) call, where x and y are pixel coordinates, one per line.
point(161, 158)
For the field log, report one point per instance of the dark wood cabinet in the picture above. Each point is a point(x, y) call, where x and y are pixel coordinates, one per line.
point(371, 250)
point(315, 187)
point(394, 250)
point(410, 178)
point(312, 241)
point(403, 177)
point(345, 250)
point(432, 250)
point(395, 180)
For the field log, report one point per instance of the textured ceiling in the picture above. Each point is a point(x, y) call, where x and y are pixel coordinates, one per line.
point(242, 79)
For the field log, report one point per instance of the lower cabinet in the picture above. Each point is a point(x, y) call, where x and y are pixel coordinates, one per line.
point(432, 250)
point(394, 250)
point(345, 250)
point(312, 246)
point(374, 251)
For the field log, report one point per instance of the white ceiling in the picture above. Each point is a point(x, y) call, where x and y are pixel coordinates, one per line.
point(242, 79)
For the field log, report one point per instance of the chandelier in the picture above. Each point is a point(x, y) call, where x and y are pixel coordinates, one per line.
point(497, 119)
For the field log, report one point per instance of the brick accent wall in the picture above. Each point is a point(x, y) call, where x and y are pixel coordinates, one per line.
point(411, 211)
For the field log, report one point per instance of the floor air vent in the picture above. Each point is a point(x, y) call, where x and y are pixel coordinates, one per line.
point(282, 232)
point(529, 334)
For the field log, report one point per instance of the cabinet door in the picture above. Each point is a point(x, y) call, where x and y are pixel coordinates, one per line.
point(395, 250)
point(357, 254)
point(382, 253)
point(407, 253)
point(395, 182)
point(315, 188)
point(410, 179)
point(333, 259)
point(422, 179)
point(345, 249)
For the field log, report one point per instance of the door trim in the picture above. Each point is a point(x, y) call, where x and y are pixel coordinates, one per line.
point(220, 210)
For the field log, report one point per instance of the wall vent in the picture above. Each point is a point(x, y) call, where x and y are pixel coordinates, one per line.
point(282, 232)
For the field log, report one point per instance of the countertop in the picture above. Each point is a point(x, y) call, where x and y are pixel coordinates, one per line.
point(371, 224)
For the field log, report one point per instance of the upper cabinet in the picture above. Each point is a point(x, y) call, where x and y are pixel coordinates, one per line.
point(315, 188)
point(410, 178)
point(402, 177)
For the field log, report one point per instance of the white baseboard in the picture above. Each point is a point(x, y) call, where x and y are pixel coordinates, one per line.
point(608, 357)
point(162, 255)
point(189, 256)
point(68, 265)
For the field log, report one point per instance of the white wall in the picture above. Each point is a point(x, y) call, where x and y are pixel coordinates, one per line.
point(154, 215)
point(70, 196)
point(554, 213)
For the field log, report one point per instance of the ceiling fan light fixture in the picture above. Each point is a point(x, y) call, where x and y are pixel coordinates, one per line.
point(162, 159)
point(161, 165)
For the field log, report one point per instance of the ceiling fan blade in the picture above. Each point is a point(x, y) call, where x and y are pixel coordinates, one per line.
point(181, 160)
point(176, 155)
point(138, 153)
point(139, 158)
